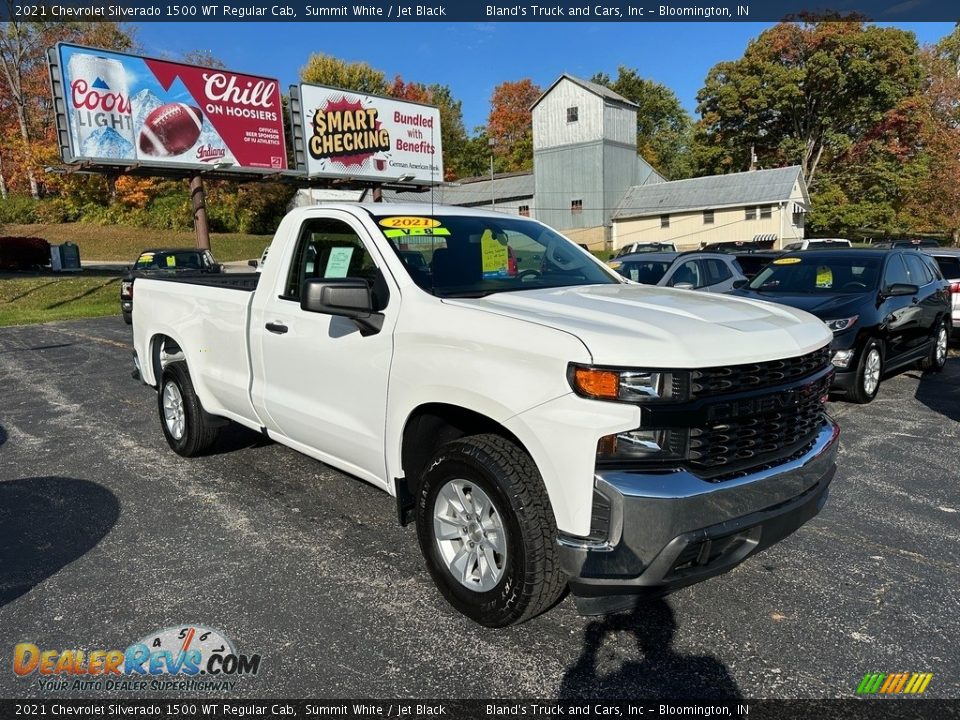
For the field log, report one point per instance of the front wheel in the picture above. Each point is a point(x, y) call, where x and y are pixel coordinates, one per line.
point(187, 428)
point(487, 531)
point(868, 373)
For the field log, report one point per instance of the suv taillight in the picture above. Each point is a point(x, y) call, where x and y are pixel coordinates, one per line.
point(126, 289)
point(955, 288)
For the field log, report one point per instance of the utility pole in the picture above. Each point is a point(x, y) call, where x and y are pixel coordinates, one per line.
point(491, 142)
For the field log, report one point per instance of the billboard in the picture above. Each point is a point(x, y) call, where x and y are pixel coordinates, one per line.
point(127, 109)
point(366, 137)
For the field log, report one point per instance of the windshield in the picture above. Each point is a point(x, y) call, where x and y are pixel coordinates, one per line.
point(473, 256)
point(648, 272)
point(791, 275)
point(170, 260)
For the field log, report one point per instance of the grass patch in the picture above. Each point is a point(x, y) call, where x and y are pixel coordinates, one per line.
point(39, 299)
point(114, 242)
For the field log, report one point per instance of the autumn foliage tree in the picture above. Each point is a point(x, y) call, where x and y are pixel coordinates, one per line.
point(804, 92)
point(510, 124)
point(28, 135)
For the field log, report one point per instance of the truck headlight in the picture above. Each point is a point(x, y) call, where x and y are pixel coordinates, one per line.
point(629, 385)
point(642, 444)
point(841, 324)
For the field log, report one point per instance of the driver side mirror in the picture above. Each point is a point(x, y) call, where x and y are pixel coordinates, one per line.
point(344, 297)
point(901, 290)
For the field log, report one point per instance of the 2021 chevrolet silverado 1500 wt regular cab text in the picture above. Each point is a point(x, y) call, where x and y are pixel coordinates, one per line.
point(544, 421)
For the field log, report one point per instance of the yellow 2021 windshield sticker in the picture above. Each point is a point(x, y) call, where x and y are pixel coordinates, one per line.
point(786, 261)
point(409, 221)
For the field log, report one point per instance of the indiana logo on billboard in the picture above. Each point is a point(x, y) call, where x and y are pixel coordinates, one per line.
point(894, 683)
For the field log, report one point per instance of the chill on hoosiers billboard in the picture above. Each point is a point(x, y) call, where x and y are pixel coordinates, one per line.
point(129, 108)
point(367, 137)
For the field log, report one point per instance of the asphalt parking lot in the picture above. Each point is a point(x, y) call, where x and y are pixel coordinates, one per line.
point(106, 535)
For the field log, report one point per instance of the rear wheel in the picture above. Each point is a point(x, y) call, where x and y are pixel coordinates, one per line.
point(187, 428)
point(128, 317)
point(868, 373)
point(487, 532)
point(938, 353)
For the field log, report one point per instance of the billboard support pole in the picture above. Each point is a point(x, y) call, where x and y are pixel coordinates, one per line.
point(199, 203)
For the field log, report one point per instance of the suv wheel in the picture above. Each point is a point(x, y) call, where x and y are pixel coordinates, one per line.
point(869, 371)
point(938, 353)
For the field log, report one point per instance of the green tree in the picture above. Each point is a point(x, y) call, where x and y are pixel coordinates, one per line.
point(664, 128)
point(804, 93)
point(357, 76)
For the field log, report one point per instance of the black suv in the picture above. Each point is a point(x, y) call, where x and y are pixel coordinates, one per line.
point(887, 309)
point(161, 262)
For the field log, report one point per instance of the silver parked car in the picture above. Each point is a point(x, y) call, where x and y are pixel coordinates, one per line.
point(949, 262)
point(710, 272)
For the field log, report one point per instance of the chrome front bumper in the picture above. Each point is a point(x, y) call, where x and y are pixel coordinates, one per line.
point(671, 529)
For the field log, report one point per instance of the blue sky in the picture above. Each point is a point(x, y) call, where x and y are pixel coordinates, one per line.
point(472, 58)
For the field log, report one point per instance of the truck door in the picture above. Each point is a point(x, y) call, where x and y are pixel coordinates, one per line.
point(320, 382)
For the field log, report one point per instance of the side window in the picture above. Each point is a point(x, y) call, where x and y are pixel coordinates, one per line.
point(932, 266)
point(688, 273)
point(716, 271)
point(328, 249)
point(919, 273)
point(895, 272)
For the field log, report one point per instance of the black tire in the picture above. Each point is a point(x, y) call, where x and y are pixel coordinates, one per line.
point(198, 432)
point(532, 580)
point(936, 360)
point(859, 393)
point(127, 317)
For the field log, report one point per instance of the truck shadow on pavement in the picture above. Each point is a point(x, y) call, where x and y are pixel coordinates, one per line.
point(659, 672)
point(235, 437)
point(941, 391)
point(45, 524)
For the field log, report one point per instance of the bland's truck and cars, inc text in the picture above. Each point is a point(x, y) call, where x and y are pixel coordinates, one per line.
point(545, 422)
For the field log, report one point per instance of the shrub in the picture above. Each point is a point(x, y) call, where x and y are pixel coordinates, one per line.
point(24, 253)
point(18, 210)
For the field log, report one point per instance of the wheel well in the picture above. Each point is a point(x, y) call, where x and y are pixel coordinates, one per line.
point(163, 350)
point(427, 428)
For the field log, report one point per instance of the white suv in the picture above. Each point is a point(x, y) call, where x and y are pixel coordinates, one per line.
point(818, 244)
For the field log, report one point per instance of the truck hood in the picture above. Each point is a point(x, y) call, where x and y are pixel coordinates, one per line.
point(636, 325)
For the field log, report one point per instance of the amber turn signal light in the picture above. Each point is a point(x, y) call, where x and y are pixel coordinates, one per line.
point(597, 383)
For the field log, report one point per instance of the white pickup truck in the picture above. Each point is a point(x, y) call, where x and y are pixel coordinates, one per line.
point(545, 422)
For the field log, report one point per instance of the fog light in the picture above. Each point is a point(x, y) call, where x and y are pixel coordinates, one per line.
point(842, 358)
point(654, 444)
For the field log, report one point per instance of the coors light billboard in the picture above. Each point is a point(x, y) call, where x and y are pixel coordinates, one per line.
point(137, 109)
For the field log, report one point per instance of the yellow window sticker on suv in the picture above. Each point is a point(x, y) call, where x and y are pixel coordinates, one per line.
point(824, 277)
point(408, 221)
point(171, 261)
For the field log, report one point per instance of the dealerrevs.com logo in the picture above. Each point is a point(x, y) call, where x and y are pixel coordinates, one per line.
point(186, 658)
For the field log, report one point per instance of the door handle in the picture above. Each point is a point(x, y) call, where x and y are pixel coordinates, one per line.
point(278, 328)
